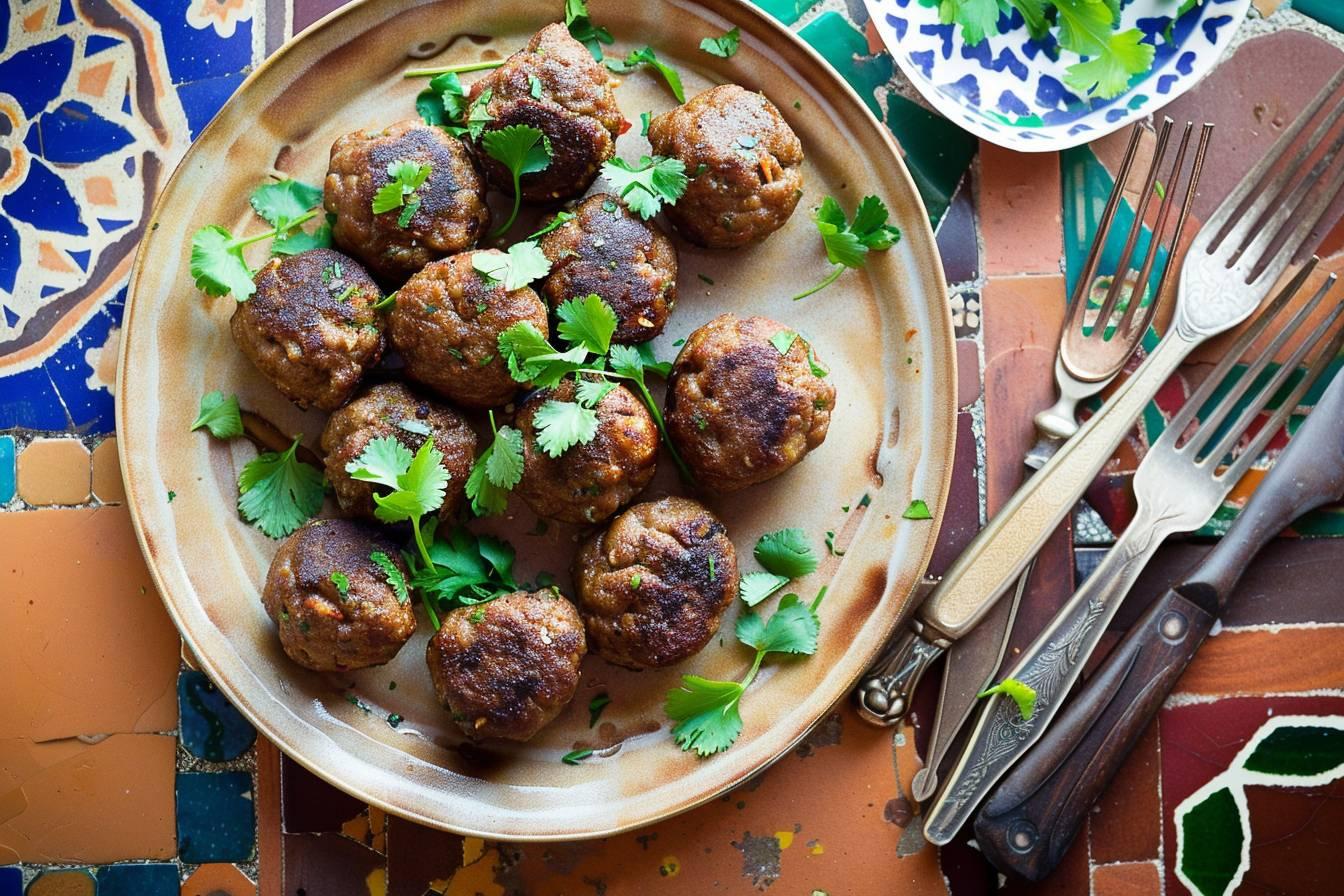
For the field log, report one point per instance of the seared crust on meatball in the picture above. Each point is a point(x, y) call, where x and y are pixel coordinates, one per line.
point(446, 324)
point(452, 213)
point(605, 250)
point(652, 588)
point(506, 668)
point(576, 110)
point(752, 177)
point(391, 409)
point(738, 411)
point(590, 482)
point(331, 602)
point(310, 327)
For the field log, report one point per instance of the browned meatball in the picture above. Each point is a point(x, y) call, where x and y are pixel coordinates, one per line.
point(310, 327)
point(506, 668)
point(605, 250)
point(332, 603)
point(391, 409)
point(740, 412)
point(451, 215)
point(652, 588)
point(556, 86)
point(752, 176)
point(590, 482)
point(446, 324)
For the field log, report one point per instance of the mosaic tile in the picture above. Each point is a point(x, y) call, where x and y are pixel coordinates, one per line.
point(333, 866)
point(1020, 211)
point(1126, 824)
point(847, 51)
point(966, 312)
point(787, 11)
point(8, 469)
point(66, 882)
point(1328, 12)
point(1286, 660)
point(210, 727)
point(1129, 879)
point(107, 484)
point(11, 881)
point(64, 792)
point(957, 239)
point(54, 471)
point(936, 152)
point(311, 804)
point(961, 516)
point(420, 858)
point(218, 880)
point(215, 820)
point(149, 879)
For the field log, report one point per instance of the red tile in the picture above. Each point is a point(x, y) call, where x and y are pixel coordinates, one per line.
point(1020, 215)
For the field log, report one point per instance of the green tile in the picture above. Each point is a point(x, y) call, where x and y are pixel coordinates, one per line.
point(787, 11)
point(1330, 12)
point(1298, 750)
point(846, 49)
point(1212, 848)
point(937, 152)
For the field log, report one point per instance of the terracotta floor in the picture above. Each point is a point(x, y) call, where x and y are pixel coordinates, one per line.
point(122, 769)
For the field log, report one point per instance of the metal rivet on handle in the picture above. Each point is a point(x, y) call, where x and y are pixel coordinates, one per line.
point(1173, 626)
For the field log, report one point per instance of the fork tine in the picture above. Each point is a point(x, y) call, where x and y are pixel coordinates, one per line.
point(1078, 302)
point(1237, 206)
point(1178, 424)
point(1281, 250)
point(1214, 456)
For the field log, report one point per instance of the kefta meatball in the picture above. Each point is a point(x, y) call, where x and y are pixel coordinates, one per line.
point(391, 409)
point(605, 250)
point(506, 668)
point(446, 213)
point(446, 324)
point(752, 175)
point(332, 603)
point(652, 588)
point(556, 86)
point(589, 482)
point(310, 327)
point(738, 409)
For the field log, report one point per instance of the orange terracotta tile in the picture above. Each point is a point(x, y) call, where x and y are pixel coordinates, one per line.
point(52, 259)
point(1129, 879)
point(69, 801)
point(1126, 824)
point(1290, 660)
point(268, 816)
point(1020, 211)
point(218, 880)
point(54, 471)
point(107, 484)
point(33, 21)
point(93, 80)
point(100, 190)
point(66, 882)
point(89, 647)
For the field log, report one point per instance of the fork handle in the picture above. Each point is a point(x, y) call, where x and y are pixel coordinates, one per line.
point(1016, 533)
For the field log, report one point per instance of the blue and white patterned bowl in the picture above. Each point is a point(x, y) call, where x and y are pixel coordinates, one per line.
point(1008, 90)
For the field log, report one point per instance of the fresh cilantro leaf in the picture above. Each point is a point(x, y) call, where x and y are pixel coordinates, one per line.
point(815, 366)
point(418, 482)
point(646, 56)
point(589, 392)
point(647, 185)
point(280, 203)
point(847, 245)
point(342, 582)
point(404, 178)
point(724, 46)
point(461, 570)
point(977, 18)
point(783, 341)
point(217, 263)
point(220, 415)
point(583, 30)
point(645, 118)
point(1022, 694)
point(301, 241)
point(496, 471)
point(383, 460)
point(706, 714)
point(755, 587)
point(522, 149)
point(589, 322)
point(918, 510)
point(560, 220)
point(1107, 74)
point(651, 362)
point(522, 264)
point(560, 425)
point(478, 114)
point(595, 707)
point(278, 493)
point(534, 86)
point(786, 553)
point(627, 361)
point(793, 628)
point(574, 757)
point(443, 103)
point(393, 574)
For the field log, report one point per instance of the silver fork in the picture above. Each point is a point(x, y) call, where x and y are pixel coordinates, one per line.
point(1179, 486)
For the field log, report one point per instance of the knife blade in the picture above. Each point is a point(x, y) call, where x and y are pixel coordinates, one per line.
point(1031, 818)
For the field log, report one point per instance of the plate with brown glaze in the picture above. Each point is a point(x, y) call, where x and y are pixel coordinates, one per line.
point(884, 331)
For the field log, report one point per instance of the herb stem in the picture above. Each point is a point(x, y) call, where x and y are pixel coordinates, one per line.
point(657, 416)
point(517, 202)
point(755, 667)
point(426, 599)
point(830, 278)
point(450, 69)
point(242, 241)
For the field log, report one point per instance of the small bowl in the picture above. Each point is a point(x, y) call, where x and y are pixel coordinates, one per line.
point(1009, 91)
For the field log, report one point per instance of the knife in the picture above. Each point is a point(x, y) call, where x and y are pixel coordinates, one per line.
point(1033, 816)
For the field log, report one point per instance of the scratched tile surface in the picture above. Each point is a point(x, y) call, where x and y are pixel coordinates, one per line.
point(146, 781)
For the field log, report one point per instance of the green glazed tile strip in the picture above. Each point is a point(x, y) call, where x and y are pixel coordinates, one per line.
point(787, 11)
point(1328, 12)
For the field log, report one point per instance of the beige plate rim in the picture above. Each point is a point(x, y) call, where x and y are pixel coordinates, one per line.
point(938, 457)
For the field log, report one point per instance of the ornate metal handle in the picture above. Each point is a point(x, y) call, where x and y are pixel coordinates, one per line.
point(885, 693)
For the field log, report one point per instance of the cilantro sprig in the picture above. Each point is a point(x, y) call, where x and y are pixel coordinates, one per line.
point(848, 243)
point(278, 493)
point(647, 185)
point(706, 712)
point(523, 263)
point(415, 483)
point(459, 68)
point(496, 471)
point(405, 177)
point(582, 29)
point(645, 56)
point(587, 325)
point(723, 46)
point(786, 555)
point(220, 415)
point(460, 569)
point(522, 149)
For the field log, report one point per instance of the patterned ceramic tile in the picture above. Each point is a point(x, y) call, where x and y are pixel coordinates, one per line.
point(215, 821)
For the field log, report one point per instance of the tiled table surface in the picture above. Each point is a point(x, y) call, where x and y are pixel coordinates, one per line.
point(122, 770)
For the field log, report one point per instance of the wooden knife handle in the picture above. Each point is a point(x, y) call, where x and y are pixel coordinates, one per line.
point(1033, 816)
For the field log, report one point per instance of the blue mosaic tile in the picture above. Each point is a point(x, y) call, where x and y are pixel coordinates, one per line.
point(200, 41)
point(73, 133)
point(215, 817)
point(29, 400)
point(202, 99)
point(35, 76)
point(210, 726)
point(11, 876)
point(145, 879)
point(73, 370)
point(7, 456)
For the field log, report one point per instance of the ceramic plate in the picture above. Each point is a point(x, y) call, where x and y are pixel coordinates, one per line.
point(885, 332)
point(1008, 90)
